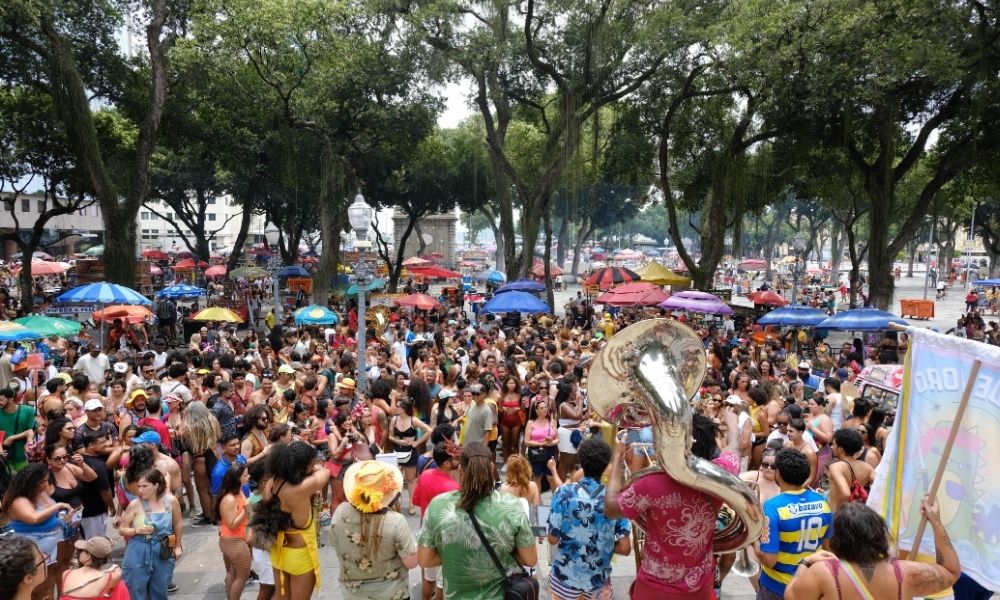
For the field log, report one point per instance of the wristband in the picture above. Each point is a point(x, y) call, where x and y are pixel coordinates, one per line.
point(805, 562)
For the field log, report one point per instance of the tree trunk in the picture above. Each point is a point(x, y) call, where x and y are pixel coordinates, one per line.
point(421, 244)
point(397, 268)
point(547, 257)
point(836, 253)
point(237, 250)
point(530, 224)
point(25, 279)
point(332, 191)
point(499, 255)
point(911, 251)
point(563, 241)
point(582, 234)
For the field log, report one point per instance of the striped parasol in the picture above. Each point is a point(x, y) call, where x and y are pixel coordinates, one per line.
point(609, 277)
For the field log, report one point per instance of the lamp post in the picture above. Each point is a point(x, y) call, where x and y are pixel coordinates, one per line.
point(271, 235)
point(360, 215)
point(927, 259)
point(798, 245)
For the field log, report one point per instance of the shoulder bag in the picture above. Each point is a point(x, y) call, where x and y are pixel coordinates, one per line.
point(520, 586)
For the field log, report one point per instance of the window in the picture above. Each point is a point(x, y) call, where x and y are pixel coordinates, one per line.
point(25, 205)
point(145, 215)
point(41, 206)
point(211, 200)
point(169, 216)
point(211, 216)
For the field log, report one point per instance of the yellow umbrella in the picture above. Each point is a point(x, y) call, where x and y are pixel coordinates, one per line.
point(657, 274)
point(217, 313)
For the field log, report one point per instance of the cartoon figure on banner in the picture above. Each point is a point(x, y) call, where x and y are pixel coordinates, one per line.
point(963, 501)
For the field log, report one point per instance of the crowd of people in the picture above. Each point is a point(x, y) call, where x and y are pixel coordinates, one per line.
point(472, 422)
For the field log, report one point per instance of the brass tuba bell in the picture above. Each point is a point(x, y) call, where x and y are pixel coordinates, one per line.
point(645, 375)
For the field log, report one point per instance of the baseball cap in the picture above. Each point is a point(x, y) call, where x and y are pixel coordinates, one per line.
point(286, 369)
point(734, 400)
point(120, 367)
point(446, 393)
point(93, 404)
point(97, 546)
point(147, 437)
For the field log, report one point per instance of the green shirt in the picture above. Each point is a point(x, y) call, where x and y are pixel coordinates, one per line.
point(469, 572)
point(12, 424)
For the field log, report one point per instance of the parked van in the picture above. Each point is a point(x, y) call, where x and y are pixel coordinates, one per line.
point(882, 384)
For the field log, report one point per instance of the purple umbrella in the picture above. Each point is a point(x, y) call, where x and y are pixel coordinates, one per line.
point(699, 302)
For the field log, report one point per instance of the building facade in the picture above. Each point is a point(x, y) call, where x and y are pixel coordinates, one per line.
point(64, 234)
point(222, 216)
point(438, 232)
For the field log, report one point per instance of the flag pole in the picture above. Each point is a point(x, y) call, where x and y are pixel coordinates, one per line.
point(945, 453)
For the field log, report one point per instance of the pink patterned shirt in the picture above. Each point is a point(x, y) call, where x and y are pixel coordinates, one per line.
point(679, 523)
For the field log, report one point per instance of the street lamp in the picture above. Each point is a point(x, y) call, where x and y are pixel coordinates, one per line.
point(272, 235)
point(361, 215)
point(798, 245)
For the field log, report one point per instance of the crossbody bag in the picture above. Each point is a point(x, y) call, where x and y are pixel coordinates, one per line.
point(519, 586)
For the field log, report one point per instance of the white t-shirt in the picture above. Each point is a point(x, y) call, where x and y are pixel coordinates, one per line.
point(93, 368)
point(399, 349)
point(806, 437)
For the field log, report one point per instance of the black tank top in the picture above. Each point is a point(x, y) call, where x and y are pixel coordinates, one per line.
point(70, 496)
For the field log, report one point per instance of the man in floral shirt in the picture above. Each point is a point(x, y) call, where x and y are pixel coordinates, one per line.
point(582, 537)
point(679, 521)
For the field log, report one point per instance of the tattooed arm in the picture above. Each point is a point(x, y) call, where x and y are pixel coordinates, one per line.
point(924, 579)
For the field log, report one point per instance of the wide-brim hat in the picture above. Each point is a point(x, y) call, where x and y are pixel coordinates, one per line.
point(371, 485)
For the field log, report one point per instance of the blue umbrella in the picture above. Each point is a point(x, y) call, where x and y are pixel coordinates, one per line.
point(181, 290)
point(293, 271)
point(491, 276)
point(515, 301)
point(522, 285)
point(102, 293)
point(315, 315)
point(989, 282)
point(376, 284)
point(868, 318)
point(793, 316)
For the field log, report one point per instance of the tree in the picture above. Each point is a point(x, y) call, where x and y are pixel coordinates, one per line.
point(69, 52)
point(336, 72)
point(554, 63)
point(896, 84)
point(34, 153)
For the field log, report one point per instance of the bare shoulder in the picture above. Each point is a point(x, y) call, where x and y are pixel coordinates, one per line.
point(924, 578)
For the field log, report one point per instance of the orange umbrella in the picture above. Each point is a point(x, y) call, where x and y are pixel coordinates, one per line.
point(41, 267)
point(188, 264)
point(419, 301)
point(129, 313)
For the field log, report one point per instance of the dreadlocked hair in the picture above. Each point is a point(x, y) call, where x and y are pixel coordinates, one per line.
point(478, 475)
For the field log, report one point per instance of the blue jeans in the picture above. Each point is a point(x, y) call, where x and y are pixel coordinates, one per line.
point(968, 589)
point(144, 573)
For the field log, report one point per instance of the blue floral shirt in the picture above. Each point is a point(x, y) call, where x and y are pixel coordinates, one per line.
point(586, 538)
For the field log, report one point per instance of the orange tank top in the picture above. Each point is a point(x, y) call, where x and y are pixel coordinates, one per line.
point(241, 529)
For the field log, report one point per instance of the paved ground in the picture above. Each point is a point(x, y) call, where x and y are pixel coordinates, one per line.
point(200, 574)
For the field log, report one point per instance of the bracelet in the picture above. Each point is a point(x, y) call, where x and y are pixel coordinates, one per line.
point(805, 563)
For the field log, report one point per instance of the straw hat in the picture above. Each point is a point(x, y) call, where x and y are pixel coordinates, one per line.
point(371, 486)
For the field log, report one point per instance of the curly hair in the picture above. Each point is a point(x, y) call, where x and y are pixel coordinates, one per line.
point(291, 462)
point(140, 460)
point(17, 555)
point(594, 455)
point(54, 430)
point(519, 473)
point(200, 424)
point(704, 431)
point(24, 485)
point(859, 535)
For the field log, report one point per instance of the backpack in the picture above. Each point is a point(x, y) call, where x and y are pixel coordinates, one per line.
point(858, 491)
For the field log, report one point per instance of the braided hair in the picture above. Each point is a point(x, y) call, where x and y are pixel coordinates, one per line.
point(478, 475)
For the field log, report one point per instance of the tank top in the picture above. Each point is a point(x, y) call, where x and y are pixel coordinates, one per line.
point(754, 412)
point(538, 434)
point(241, 529)
point(410, 432)
point(70, 496)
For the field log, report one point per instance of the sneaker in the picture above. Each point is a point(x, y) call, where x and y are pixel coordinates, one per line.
point(171, 588)
point(203, 522)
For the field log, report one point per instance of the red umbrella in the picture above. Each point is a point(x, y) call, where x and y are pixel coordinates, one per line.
point(187, 264)
point(41, 267)
point(416, 261)
point(432, 256)
point(419, 301)
point(153, 254)
point(155, 270)
point(631, 294)
point(609, 277)
point(308, 260)
point(259, 251)
point(768, 298)
point(752, 264)
point(435, 272)
point(216, 271)
point(538, 270)
point(184, 254)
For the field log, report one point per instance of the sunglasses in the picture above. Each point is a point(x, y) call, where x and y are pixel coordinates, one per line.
point(59, 458)
point(780, 424)
point(767, 465)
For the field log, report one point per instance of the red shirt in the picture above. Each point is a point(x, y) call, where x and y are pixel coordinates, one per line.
point(431, 483)
point(680, 523)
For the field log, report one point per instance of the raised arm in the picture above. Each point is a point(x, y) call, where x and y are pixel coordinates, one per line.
point(611, 508)
point(924, 579)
